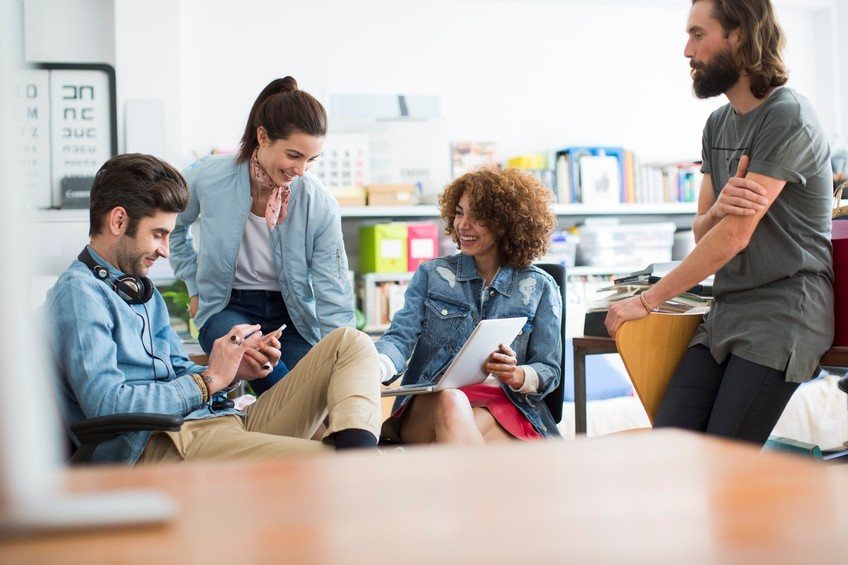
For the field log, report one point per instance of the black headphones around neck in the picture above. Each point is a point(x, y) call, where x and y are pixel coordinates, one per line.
point(132, 289)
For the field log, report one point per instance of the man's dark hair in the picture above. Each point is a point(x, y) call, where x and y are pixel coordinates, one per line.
point(282, 110)
point(760, 53)
point(142, 184)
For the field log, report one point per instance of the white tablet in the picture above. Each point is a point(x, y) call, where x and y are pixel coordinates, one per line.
point(467, 367)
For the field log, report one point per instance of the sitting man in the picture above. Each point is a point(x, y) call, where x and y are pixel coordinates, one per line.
point(117, 353)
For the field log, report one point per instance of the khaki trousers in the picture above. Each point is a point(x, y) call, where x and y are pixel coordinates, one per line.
point(340, 376)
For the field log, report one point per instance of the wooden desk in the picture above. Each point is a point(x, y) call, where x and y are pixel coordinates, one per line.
point(652, 497)
point(583, 346)
point(835, 357)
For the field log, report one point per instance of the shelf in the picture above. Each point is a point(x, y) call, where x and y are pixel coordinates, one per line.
point(422, 211)
point(588, 271)
point(384, 277)
point(625, 209)
point(66, 215)
point(431, 211)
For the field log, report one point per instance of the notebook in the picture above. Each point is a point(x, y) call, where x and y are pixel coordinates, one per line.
point(467, 366)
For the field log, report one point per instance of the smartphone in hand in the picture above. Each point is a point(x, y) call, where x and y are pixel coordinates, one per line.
point(278, 332)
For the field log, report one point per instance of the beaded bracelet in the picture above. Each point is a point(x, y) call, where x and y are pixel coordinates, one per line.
point(201, 384)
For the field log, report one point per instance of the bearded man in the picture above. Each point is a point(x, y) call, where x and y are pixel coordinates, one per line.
point(762, 227)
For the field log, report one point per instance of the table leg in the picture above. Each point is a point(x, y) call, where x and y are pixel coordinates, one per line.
point(579, 391)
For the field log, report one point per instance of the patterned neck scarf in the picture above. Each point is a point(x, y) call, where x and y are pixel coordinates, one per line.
point(278, 202)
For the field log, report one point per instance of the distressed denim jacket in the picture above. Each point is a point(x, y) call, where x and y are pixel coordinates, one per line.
point(115, 358)
point(445, 301)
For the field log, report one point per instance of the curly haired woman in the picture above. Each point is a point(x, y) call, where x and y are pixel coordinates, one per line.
point(502, 222)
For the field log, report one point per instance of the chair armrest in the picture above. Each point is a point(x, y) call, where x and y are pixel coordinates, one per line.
point(96, 430)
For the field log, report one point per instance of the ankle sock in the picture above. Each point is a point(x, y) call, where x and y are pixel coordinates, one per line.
point(352, 438)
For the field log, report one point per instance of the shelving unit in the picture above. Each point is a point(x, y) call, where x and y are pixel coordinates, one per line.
point(372, 304)
point(561, 210)
point(62, 233)
point(567, 214)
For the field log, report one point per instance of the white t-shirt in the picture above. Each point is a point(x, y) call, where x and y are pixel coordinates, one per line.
point(255, 263)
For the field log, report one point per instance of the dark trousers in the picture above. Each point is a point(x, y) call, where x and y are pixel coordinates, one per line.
point(737, 399)
point(267, 309)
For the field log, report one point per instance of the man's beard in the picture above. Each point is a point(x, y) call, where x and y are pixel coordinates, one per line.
point(129, 260)
point(716, 77)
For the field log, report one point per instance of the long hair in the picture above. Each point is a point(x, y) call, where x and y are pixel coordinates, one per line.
point(760, 53)
point(282, 110)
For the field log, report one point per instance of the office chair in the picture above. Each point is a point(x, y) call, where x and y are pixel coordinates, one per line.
point(555, 398)
point(651, 349)
point(93, 431)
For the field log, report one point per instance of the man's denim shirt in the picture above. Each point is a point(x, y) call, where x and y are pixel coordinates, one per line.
point(100, 345)
point(445, 301)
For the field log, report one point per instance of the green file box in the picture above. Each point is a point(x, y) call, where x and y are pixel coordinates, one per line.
point(382, 248)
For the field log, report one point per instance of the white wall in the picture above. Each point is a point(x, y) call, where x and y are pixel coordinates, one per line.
point(147, 55)
point(840, 70)
point(69, 31)
point(531, 75)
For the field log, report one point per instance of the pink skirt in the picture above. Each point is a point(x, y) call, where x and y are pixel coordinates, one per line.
point(494, 399)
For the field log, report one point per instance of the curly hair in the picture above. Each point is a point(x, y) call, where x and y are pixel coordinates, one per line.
point(514, 206)
point(760, 53)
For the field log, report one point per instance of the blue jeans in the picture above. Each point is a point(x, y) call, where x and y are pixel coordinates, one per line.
point(267, 309)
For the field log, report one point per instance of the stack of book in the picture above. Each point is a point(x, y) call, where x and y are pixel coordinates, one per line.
point(696, 300)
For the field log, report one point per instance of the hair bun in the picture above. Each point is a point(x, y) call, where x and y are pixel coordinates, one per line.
point(287, 84)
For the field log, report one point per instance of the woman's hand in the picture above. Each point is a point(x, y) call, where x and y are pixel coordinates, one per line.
point(740, 196)
point(622, 311)
point(227, 354)
point(192, 305)
point(503, 365)
point(261, 358)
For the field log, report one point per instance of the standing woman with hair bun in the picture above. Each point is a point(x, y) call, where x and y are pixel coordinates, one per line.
point(271, 247)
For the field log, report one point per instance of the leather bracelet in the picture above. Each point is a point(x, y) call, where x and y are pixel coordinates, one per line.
point(646, 305)
point(201, 384)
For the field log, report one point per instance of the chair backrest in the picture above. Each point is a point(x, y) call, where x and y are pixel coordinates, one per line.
point(651, 349)
point(555, 398)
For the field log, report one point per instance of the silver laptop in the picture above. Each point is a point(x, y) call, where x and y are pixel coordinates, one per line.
point(467, 366)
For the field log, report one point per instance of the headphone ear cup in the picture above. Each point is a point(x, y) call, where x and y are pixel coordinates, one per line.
point(134, 290)
point(146, 286)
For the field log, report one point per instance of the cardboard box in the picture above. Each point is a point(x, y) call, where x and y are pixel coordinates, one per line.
point(422, 243)
point(390, 194)
point(349, 195)
point(383, 248)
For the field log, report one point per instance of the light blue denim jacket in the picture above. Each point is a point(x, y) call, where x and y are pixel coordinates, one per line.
point(309, 252)
point(443, 304)
point(100, 346)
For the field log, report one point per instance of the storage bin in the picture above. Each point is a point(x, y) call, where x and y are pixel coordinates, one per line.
point(610, 244)
point(422, 243)
point(383, 248)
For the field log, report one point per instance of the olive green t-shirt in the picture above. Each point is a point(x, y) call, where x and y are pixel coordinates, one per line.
point(774, 301)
